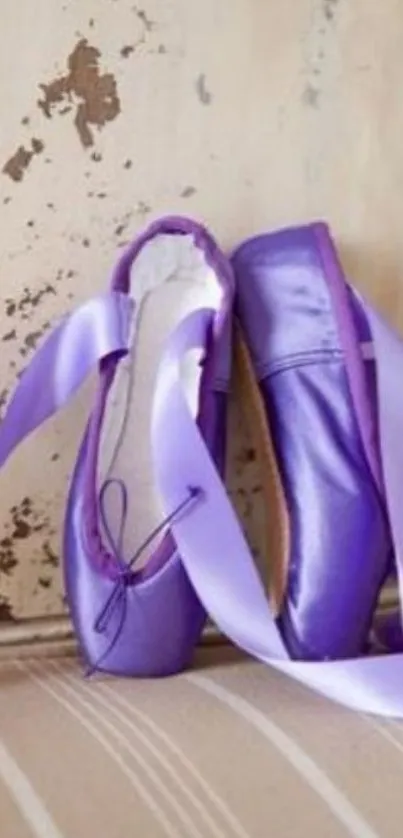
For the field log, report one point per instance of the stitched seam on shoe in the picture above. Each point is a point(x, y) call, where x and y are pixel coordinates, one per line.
point(301, 359)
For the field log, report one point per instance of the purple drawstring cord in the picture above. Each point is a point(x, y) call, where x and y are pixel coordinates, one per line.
point(126, 575)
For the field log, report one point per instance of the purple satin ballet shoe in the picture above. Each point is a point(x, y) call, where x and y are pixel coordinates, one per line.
point(321, 371)
point(133, 607)
point(298, 320)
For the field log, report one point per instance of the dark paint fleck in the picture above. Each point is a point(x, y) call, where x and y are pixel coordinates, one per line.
point(127, 50)
point(6, 614)
point(31, 340)
point(37, 145)
point(128, 164)
point(148, 24)
point(310, 96)
point(21, 529)
point(45, 581)
point(143, 208)
point(10, 335)
point(28, 301)
point(8, 560)
point(51, 558)
point(329, 9)
point(188, 191)
point(203, 93)
point(16, 166)
point(3, 400)
point(24, 521)
point(26, 506)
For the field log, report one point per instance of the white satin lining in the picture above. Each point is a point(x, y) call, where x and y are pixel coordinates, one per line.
point(169, 279)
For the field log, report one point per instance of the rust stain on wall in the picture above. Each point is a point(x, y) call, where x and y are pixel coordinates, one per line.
point(17, 164)
point(93, 93)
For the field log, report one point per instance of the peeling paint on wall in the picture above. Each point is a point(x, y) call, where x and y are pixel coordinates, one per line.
point(19, 162)
point(24, 305)
point(24, 522)
point(91, 94)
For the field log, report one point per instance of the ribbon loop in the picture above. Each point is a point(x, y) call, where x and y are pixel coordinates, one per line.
point(96, 330)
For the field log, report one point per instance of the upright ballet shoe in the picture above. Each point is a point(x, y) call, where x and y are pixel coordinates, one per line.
point(133, 616)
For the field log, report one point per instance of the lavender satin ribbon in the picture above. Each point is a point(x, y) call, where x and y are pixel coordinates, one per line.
point(389, 373)
point(98, 329)
point(213, 548)
point(210, 540)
